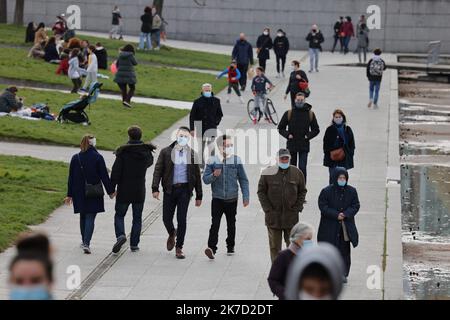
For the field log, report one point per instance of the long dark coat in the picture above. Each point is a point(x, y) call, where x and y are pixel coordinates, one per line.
point(332, 141)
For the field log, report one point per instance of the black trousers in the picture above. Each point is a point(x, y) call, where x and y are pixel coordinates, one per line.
point(344, 249)
point(178, 199)
point(127, 94)
point(336, 39)
point(76, 85)
point(235, 87)
point(243, 68)
point(281, 59)
point(218, 208)
point(262, 63)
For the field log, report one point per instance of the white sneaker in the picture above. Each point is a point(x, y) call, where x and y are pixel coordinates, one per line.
point(241, 99)
point(375, 106)
point(283, 74)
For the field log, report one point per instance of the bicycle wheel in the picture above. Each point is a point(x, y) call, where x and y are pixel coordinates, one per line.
point(251, 110)
point(272, 112)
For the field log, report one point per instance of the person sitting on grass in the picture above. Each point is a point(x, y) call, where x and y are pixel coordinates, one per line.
point(233, 79)
point(51, 53)
point(37, 50)
point(102, 56)
point(9, 102)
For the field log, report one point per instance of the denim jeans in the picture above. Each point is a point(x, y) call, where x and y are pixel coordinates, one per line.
point(178, 199)
point(374, 89)
point(313, 58)
point(300, 159)
point(119, 223)
point(346, 43)
point(156, 37)
point(87, 224)
point(144, 38)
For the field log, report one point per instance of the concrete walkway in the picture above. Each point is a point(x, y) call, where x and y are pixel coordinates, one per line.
point(154, 273)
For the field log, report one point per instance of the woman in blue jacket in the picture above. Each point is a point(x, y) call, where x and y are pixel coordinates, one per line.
point(338, 204)
point(88, 166)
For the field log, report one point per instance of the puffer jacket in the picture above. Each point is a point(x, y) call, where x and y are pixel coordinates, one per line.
point(125, 68)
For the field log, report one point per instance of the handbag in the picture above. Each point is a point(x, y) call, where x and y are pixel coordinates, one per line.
point(91, 191)
point(337, 154)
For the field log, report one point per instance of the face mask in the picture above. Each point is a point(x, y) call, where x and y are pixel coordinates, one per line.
point(266, 33)
point(338, 121)
point(307, 243)
point(229, 150)
point(207, 94)
point(299, 104)
point(279, 34)
point(283, 166)
point(93, 142)
point(29, 293)
point(293, 68)
point(342, 183)
point(306, 296)
point(182, 140)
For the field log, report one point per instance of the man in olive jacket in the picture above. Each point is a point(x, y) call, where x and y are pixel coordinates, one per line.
point(281, 192)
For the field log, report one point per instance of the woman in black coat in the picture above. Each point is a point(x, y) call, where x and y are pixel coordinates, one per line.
point(338, 135)
point(29, 33)
point(126, 76)
point(263, 45)
point(88, 166)
point(294, 79)
point(51, 52)
point(281, 48)
point(338, 204)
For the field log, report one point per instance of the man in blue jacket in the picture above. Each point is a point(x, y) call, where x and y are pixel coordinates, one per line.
point(224, 171)
point(243, 54)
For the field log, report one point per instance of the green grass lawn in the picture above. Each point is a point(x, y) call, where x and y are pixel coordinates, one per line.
point(30, 189)
point(109, 121)
point(13, 35)
point(154, 82)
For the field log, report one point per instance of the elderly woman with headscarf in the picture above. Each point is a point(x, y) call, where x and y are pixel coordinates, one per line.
point(300, 237)
point(315, 274)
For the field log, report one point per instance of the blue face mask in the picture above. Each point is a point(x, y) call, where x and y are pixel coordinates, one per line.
point(342, 183)
point(29, 293)
point(283, 166)
point(307, 243)
point(182, 141)
point(299, 104)
point(207, 94)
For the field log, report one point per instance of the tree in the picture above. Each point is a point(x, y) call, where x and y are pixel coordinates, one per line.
point(18, 13)
point(158, 4)
point(3, 11)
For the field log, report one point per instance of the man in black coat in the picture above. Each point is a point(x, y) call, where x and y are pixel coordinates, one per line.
point(295, 77)
point(338, 204)
point(243, 54)
point(178, 171)
point(205, 116)
point(299, 125)
point(263, 46)
point(128, 173)
point(281, 48)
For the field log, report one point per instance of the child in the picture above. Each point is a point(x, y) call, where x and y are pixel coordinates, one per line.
point(75, 71)
point(92, 69)
point(259, 88)
point(233, 79)
point(63, 67)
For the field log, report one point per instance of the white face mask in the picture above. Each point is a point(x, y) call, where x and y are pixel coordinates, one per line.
point(182, 140)
point(302, 295)
point(93, 142)
point(229, 150)
point(266, 33)
point(280, 34)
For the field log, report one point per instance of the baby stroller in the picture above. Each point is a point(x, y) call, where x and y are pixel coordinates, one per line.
point(74, 110)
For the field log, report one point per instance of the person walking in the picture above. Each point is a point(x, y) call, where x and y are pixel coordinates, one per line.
point(297, 75)
point(315, 39)
point(233, 76)
point(243, 54)
point(223, 172)
point(300, 237)
point(260, 83)
point(338, 204)
point(146, 28)
point(156, 30)
point(126, 76)
point(281, 48)
point(205, 116)
point(347, 32)
point(299, 125)
point(75, 72)
point(116, 24)
point(87, 174)
point(362, 35)
point(281, 192)
point(338, 144)
point(92, 69)
point(263, 45)
point(337, 34)
point(128, 174)
point(374, 72)
point(178, 170)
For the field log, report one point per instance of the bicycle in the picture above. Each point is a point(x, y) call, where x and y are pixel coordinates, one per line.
point(255, 114)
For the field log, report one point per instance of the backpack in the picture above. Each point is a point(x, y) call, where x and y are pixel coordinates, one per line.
point(376, 68)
